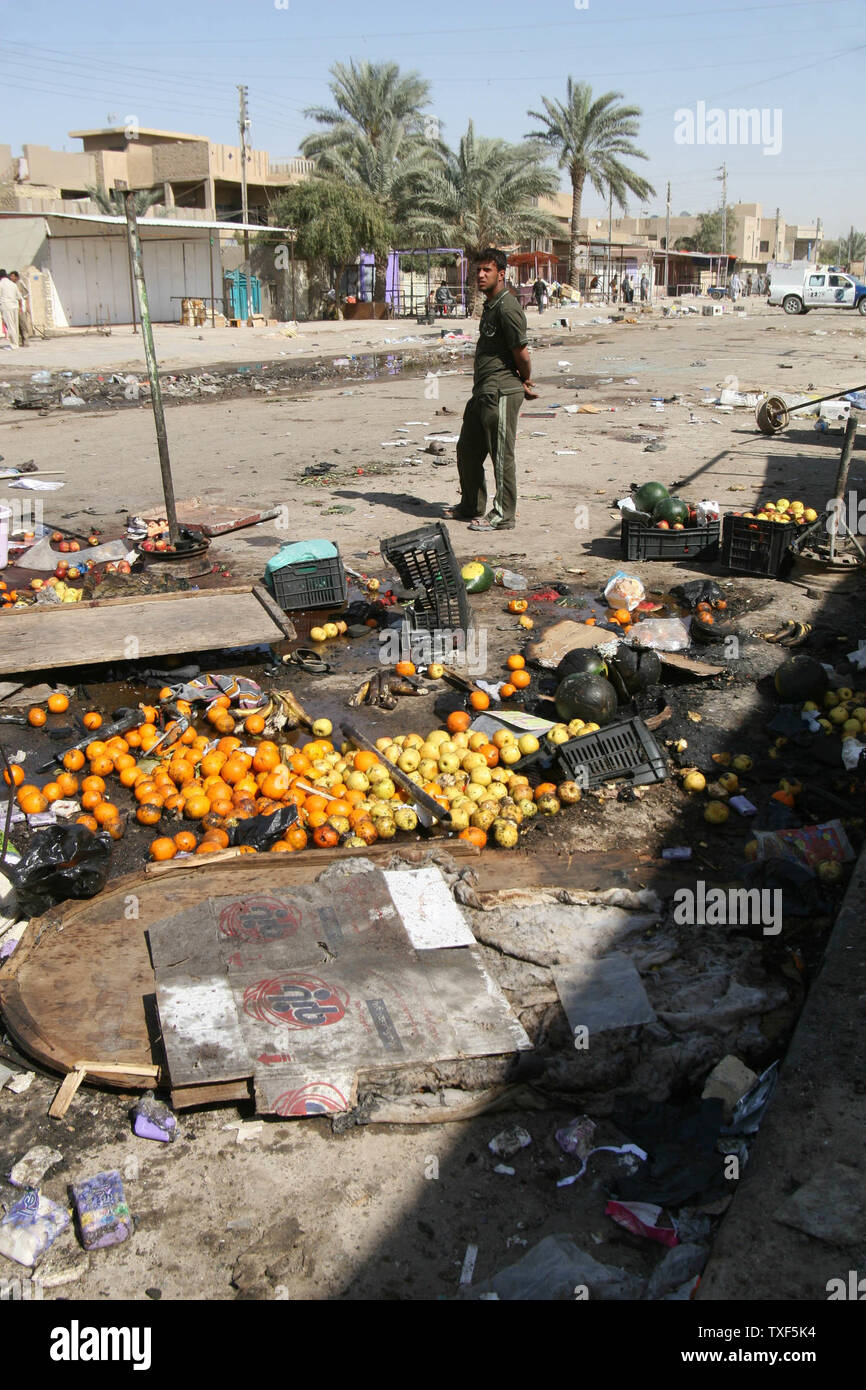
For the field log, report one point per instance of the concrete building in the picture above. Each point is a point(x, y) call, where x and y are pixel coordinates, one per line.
point(187, 171)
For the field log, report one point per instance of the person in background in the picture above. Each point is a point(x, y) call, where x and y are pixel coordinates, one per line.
point(750, 284)
point(613, 288)
point(502, 381)
point(539, 290)
point(735, 287)
point(10, 300)
point(24, 321)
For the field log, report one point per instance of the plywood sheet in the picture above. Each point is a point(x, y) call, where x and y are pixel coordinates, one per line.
point(79, 634)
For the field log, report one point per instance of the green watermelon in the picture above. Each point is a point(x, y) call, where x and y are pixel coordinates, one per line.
point(586, 696)
point(579, 660)
point(649, 495)
point(477, 577)
point(671, 509)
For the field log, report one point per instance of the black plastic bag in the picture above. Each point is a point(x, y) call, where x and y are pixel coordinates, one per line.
point(63, 861)
point(697, 591)
point(263, 831)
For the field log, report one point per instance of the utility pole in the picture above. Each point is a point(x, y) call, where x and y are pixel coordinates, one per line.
point(776, 238)
point(667, 233)
point(609, 231)
point(724, 178)
point(818, 230)
point(243, 126)
point(134, 242)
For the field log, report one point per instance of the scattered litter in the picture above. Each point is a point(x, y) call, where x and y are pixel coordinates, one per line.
point(643, 1219)
point(729, 1081)
point(510, 1141)
point(504, 1168)
point(677, 852)
point(624, 591)
point(153, 1120)
point(576, 1138)
point(554, 1269)
point(246, 1129)
point(560, 453)
point(22, 1082)
point(810, 845)
point(599, 996)
point(630, 1151)
point(680, 1267)
point(662, 634)
point(103, 1215)
point(742, 806)
point(30, 1226)
point(30, 1170)
point(36, 484)
point(468, 1269)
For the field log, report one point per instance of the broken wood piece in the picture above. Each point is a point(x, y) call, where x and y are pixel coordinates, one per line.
point(656, 720)
point(685, 663)
point(120, 1068)
point(63, 1099)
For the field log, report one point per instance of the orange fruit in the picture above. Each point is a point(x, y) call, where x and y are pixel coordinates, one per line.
point(363, 761)
point(92, 719)
point(366, 829)
point(282, 847)
point(515, 662)
point(163, 848)
point(276, 784)
point(474, 835)
point(405, 668)
point(247, 849)
point(116, 828)
point(67, 783)
point(165, 693)
point(88, 821)
point(133, 738)
point(17, 777)
point(102, 766)
point(186, 841)
point(74, 760)
point(106, 811)
point(148, 814)
point(545, 789)
point(127, 775)
point(325, 836)
point(315, 819)
point(90, 799)
point(212, 763)
point(300, 763)
point(622, 615)
point(228, 745)
point(507, 690)
point(339, 808)
point(479, 700)
point(196, 806)
point(52, 791)
point(296, 836)
point(150, 712)
point(95, 748)
point(266, 758)
point(217, 837)
point(32, 802)
point(58, 703)
point(520, 679)
point(36, 717)
point(208, 847)
point(458, 721)
point(180, 771)
point(93, 783)
point(254, 724)
point(223, 723)
point(221, 702)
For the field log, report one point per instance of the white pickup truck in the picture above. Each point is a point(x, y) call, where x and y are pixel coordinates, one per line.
point(816, 287)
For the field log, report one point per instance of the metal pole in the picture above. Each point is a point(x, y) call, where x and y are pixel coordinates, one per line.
point(243, 122)
point(842, 482)
point(210, 266)
point(131, 288)
point(150, 359)
point(609, 233)
point(667, 237)
point(292, 244)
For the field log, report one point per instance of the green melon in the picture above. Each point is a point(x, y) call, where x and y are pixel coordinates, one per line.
point(801, 678)
point(671, 509)
point(477, 577)
point(649, 495)
point(578, 660)
point(586, 696)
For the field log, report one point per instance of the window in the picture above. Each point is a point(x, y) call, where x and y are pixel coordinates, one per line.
point(816, 281)
point(765, 246)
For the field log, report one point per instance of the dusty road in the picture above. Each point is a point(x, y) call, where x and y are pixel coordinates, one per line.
point(388, 1212)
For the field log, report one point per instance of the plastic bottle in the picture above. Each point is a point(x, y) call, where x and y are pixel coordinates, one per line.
point(509, 580)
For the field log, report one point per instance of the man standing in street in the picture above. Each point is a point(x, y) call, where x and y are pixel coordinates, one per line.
point(23, 308)
point(502, 382)
point(10, 299)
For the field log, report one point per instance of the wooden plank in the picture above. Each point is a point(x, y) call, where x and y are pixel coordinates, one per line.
point(63, 1099)
point(273, 610)
point(79, 635)
point(120, 1068)
point(311, 862)
point(219, 1093)
point(678, 662)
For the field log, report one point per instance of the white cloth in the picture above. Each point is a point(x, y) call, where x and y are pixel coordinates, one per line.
point(10, 299)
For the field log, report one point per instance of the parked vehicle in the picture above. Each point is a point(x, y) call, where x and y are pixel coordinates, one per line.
point(816, 287)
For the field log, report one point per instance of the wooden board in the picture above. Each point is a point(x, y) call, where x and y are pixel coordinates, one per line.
point(81, 983)
point(79, 634)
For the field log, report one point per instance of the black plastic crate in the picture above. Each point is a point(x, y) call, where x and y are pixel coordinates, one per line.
point(310, 584)
point(626, 750)
point(750, 546)
point(427, 564)
point(638, 541)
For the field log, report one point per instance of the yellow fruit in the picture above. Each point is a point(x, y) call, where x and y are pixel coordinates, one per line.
point(838, 714)
point(331, 630)
point(716, 812)
point(505, 833)
point(318, 634)
point(575, 726)
point(783, 504)
point(322, 728)
point(810, 514)
point(568, 793)
point(558, 734)
point(742, 762)
point(729, 781)
point(548, 805)
point(694, 782)
point(510, 754)
point(528, 743)
point(852, 727)
point(525, 622)
point(435, 671)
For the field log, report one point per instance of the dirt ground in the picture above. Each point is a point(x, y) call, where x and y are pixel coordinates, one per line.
point(380, 1212)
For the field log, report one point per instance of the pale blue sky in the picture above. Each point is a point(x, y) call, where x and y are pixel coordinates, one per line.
point(176, 65)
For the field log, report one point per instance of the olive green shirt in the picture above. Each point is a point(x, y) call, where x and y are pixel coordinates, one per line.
point(502, 328)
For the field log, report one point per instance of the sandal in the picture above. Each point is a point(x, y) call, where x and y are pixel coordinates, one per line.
point(308, 661)
point(482, 523)
point(457, 514)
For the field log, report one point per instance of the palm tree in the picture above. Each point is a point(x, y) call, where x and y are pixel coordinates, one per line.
point(485, 193)
point(591, 136)
point(374, 139)
point(111, 201)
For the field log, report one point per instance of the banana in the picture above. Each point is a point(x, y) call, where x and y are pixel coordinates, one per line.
point(784, 631)
point(797, 636)
point(360, 695)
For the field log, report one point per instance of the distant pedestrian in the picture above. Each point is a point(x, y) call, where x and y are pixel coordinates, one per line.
point(644, 288)
point(613, 289)
point(10, 301)
point(736, 287)
point(750, 284)
point(25, 324)
point(539, 291)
